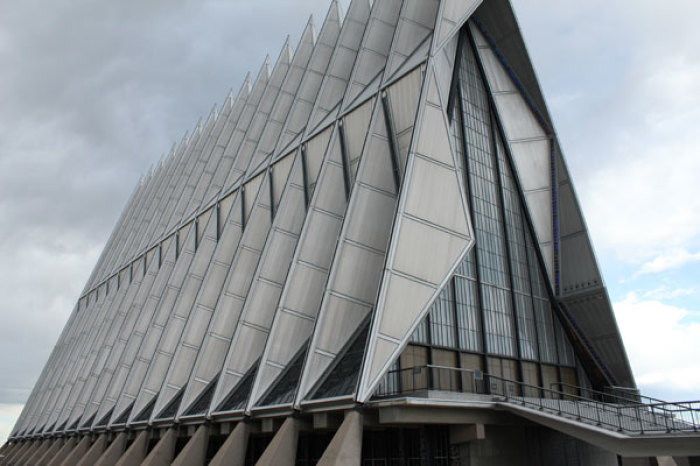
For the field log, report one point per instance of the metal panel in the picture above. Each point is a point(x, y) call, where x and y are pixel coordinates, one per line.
point(107, 380)
point(356, 125)
point(238, 134)
point(437, 222)
point(336, 79)
point(182, 316)
point(453, 15)
point(165, 308)
point(415, 26)
point(303, 288)
point(375, 48)
point(311, 84)
point(285, 100)
point(262, 113)
point(214, 351)
point(404, 95)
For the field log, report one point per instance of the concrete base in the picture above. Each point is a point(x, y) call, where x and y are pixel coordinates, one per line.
point(78, 452)
point(162, 454)
point(195, 452)
point(17, 452)
point(135, 454)
point(38, 452)
point(112, 454)
point(53, 449)
point(63, 453)
point(93, 454)
point(282, 451)
point(29, 450)
point(232, 452)
point(639, 462)
point(346, 447)
point(530, 446)
point(685, 461)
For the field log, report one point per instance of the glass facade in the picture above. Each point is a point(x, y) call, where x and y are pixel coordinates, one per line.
point(496, 311)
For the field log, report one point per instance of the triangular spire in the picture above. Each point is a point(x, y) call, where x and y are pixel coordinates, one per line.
point(344, 55)
point(453, 15)
point(375, 48)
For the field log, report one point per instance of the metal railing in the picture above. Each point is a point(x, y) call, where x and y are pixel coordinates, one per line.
point(622, 410)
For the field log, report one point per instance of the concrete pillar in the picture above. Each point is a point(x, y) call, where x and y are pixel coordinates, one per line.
point(93, 454)
point(135, 454)
point(28, 451)
point(17, 452)
point(232, 452)
point(55, 447)
point(35, 453)
point(195, 452)
point(639, 462)
point(63, 453)
point(78, 452)
point(162, 454)
point(345, 448)
point(113, 452)
point(282, 451)
point(685, 461)
point(667, 461)
point(7, 450)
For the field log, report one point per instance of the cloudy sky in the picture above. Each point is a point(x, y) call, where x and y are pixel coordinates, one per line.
point(92, 93)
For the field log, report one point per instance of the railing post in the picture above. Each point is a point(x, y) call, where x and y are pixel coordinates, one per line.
point(639, 419)
point(619, 419)
point(692, 418)
point(578, 410)
point(597, 411)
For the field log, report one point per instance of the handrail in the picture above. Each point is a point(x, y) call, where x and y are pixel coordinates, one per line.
point(635, 399)
point(624, 415)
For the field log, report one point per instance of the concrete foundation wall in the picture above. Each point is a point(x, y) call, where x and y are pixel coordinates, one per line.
point(530, 446)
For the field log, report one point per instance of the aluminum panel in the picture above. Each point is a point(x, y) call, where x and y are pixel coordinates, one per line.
point(305, 289)
point(372, 225)
point(404, 95)
point(113, 378)
point(452, 17)
point(533, 161)
point(282, 104)
point(287, 224)
point(280, 173)
point(438, 251)
point(341, 65)
point(416, 24)
point(265, 301)
point(295, 331)
point(433, 139)
point(375, 48)
point(315, 152)
point(429, 182)
point(281, 247)
point(360, 286)
point(242, 123)
point(311, 83)
point(334, 199)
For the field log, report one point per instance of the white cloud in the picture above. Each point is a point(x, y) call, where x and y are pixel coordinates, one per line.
point(662, 344)
point(664, 292)
point(669, 260)
point(8, 416)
